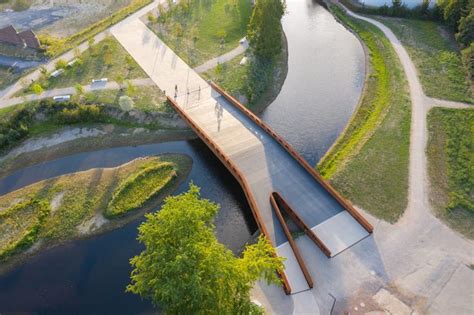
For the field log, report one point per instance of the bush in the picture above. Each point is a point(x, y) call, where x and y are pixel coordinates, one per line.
point(468, 60)
point(75, 113)
point(39, 210)
point(21, 5)
point(134, 192)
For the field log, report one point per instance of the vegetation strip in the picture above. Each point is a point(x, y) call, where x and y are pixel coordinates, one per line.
point(369, 161)
point(451, 166)
point(20, 225)
point(74, 205)
point(137, 189)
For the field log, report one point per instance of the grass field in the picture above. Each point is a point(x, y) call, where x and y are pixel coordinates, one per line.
point(145, 98)
point(256, 83)
point(369, 161)
point(73, 205)
point(433, 49)
point(196, 33)
point(106, 59)
point(451, 167)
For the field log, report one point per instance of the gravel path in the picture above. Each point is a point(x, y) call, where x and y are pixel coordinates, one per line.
point(223, 58)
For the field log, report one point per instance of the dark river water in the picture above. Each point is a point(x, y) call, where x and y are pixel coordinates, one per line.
point(326, 71)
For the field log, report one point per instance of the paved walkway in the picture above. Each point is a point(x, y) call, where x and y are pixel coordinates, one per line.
point(243, 46)
point(71, 91)
point(266, 165)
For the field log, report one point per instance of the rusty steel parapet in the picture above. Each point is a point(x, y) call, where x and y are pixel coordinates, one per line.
point(342, 201)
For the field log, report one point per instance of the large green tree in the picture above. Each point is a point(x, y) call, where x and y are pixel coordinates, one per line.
point(264, 30)
point(185, 270)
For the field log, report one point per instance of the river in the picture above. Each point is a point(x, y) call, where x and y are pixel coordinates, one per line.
point(325, 78)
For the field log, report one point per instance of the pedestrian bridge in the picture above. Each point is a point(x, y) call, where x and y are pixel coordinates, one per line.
point(277, 182)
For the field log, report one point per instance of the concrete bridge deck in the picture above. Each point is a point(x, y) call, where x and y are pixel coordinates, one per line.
point(261, 161)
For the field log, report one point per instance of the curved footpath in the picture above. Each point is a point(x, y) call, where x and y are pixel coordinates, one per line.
point(417, 265)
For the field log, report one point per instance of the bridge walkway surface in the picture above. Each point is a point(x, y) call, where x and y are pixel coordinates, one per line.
point(255, 155)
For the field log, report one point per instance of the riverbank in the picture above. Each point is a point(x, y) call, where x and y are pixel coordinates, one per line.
point(80, 205)
point(450, 160)
point(369, 161)
point(240, 79)
point(77, 139)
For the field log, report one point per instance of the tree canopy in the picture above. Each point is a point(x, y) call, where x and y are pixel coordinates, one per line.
point(264, 30)
point(185, 270)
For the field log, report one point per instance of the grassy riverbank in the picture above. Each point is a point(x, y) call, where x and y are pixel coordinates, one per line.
point(256, 83)
point(75, 205)
point(369, 161)
point(201, 30)
point(451, 167)
point(435, 53)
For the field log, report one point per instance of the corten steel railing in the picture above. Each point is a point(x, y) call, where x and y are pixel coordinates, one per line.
point(229, 164)
point(291, 241)
point(344, 202)
point(300, 223)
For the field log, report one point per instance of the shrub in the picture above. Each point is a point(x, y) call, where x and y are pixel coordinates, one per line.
point(135, 191)
point(20, 238)
point(468, 60)
point(74, 113)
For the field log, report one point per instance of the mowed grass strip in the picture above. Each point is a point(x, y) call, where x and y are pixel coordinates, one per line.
point(195, 33)
point(434, 51)
point(451, 167)
point(20, 225)
point(137, 189)
point(369, 161)
point(77, 202)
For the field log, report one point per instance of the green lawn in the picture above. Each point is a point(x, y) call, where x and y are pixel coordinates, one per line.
point(195, 34)
point(451, 167)
point(231, 76)
point(256, 83)
point(433, 50)
point(107, 59)
point(73, 205)
point(369, 162)
point(7, 77)
point(145, 98)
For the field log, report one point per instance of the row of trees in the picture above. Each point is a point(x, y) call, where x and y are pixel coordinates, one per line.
point(264, 30)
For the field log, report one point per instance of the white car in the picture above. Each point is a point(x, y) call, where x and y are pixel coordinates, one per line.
point(61, 98)
point(103, 80)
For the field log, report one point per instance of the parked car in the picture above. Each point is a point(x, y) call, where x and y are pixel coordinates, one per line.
point(56, 73)
point(103, 80)
point(62, 98)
